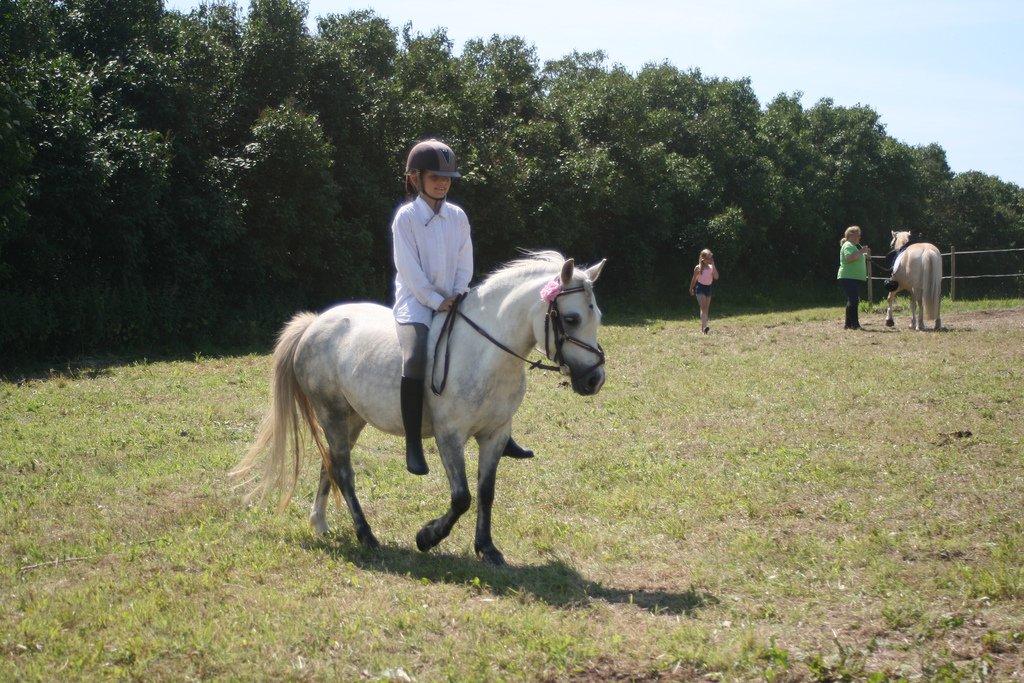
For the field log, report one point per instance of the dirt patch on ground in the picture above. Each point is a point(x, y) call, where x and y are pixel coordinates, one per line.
point(986, 320)
point(953, 321)
point(609, 670)
point(874, 327)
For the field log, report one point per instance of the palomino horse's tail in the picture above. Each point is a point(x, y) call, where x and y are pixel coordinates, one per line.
point(287, 401)
point(932, 284)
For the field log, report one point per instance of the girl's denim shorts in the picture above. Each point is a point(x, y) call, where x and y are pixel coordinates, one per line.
point(703, 290)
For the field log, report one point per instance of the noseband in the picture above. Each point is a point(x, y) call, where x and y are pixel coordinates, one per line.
point(552, 322)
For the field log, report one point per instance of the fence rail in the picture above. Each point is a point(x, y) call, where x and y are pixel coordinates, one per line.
point(952, 277)
point(976, 251)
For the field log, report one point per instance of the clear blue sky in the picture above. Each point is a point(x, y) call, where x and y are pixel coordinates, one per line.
point(945, 71)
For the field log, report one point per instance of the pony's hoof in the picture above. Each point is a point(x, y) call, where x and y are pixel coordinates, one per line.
point(514, 450)
point(319, 525)
point(425, 540)
point(889, 323)
point(416, 466)
point(518, 453)
point(491, 556)
point(368, 540)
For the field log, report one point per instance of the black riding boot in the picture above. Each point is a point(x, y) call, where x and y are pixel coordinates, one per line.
point(412, 420)
point(849, 318)
point(514, 450)
point(855, 318)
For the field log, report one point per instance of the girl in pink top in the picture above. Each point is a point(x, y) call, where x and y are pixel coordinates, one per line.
point(702, 283)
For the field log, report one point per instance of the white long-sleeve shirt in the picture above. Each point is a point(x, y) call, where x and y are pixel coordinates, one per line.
point(433, 258)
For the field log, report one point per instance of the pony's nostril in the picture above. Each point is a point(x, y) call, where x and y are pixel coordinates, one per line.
point(592, 381)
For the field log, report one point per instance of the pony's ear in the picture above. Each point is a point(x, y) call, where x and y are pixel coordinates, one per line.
point(893, 233)
point(567, 269)
point(594, 271)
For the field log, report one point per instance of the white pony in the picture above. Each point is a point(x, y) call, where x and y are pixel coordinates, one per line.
point(341, 370)
point(919, 270)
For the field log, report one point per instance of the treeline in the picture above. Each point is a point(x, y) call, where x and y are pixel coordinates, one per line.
point(172, 178)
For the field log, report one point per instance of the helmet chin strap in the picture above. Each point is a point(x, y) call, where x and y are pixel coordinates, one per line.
point(423, 189)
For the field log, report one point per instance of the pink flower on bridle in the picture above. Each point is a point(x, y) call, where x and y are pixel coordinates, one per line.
point(551, 290)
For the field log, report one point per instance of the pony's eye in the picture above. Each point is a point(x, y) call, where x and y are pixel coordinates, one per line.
point(572, 319)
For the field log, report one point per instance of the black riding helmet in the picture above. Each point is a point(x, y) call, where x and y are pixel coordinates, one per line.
point(432, 155)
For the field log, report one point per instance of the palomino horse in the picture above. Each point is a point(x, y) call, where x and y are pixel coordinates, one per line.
point(341, 370)
point(917, 269)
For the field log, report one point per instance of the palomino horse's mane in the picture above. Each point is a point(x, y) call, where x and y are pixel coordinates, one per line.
point(900, 238)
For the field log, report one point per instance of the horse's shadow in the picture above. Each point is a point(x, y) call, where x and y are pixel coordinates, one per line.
point(554, 583)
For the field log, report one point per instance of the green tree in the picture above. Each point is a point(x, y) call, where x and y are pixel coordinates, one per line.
point(275, 55)
point(295, 247)
point(169, 176)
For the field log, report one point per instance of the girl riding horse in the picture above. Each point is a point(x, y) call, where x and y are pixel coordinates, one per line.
point(433, 255)
point(340, 370)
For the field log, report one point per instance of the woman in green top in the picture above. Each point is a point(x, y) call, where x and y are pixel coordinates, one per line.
point(853, 270)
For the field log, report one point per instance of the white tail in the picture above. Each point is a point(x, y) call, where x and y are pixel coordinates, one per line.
point(932, 285)
point(287, 401)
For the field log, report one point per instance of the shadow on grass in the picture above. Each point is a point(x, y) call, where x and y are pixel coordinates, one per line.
point(99, 365)
point(554, 583)
point(96, 360)
point(729, 301)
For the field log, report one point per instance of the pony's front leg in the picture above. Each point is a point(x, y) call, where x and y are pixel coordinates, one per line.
point(888, 312)
point(913, 310)
point(491, 448)
point(436, 530)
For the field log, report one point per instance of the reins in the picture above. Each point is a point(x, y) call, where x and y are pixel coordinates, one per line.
point(552, 320)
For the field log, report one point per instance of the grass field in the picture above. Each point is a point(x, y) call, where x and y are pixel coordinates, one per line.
point(779, 500)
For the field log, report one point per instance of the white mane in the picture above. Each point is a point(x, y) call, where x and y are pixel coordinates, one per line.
point(533, 263)
point(511, 274)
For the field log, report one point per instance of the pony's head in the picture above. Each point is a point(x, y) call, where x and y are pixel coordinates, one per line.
point(565, 327)
point(899, 238)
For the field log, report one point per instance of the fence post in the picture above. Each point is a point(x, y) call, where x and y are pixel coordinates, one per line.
point(871, 298)
point(952, 273)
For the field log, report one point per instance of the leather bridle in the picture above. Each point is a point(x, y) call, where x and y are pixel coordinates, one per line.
point(553, 326)
point(553, 321)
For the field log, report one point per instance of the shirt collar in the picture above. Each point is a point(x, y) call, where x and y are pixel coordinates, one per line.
point(425, 213)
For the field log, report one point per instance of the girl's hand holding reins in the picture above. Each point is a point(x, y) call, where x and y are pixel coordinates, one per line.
point(446, 304)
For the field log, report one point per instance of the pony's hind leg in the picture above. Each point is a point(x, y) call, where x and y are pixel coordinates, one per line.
point(913, 310)
point(318, 513)
point(436, 530)
point(888, 312)
point(342, 430)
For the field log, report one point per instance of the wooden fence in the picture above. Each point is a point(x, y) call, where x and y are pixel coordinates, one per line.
point(952, 277)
